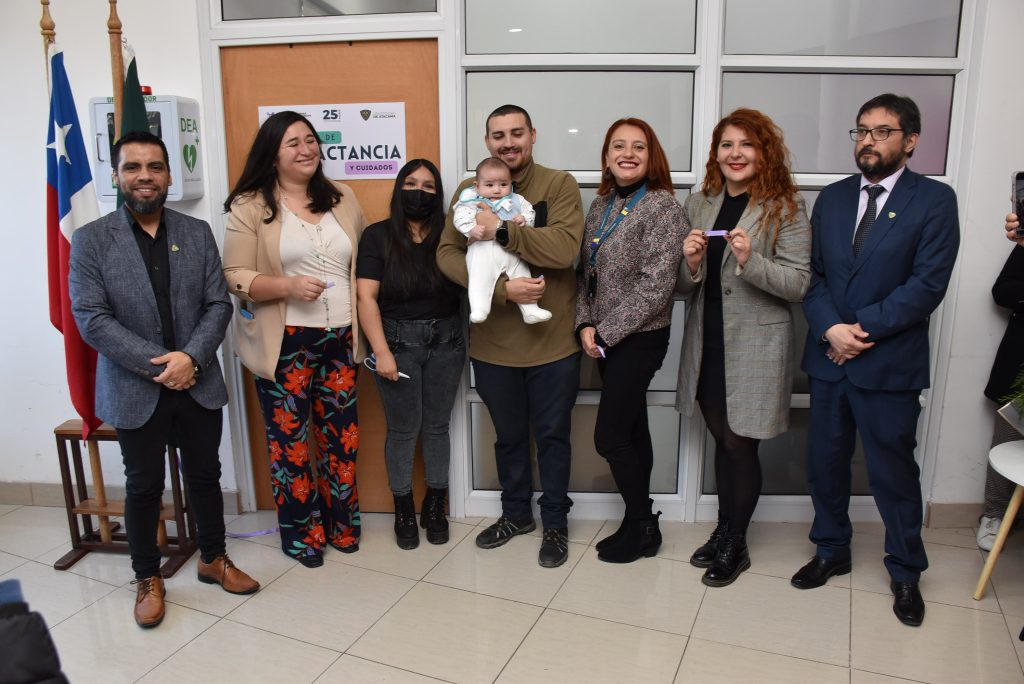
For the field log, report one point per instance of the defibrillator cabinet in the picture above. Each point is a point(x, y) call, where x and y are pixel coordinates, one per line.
point(175, 120)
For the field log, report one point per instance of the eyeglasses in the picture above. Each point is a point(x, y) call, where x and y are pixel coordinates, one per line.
point(877, 134)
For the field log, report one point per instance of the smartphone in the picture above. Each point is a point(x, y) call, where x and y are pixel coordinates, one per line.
point(1018, 200)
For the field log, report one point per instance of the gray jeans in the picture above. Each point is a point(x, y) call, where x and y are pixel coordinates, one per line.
point(433, 354)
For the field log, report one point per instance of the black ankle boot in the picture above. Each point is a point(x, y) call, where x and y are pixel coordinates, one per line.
point(640, 538)
point(704, 554)
point(613, 537)
point(406, 533)
point(731, 559)
point(610, 539)
point(432, 517)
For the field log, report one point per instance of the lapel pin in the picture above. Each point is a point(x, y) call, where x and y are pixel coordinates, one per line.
point(175, 248)
point(892, 214)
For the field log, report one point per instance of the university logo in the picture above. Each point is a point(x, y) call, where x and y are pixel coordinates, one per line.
point(365, 113)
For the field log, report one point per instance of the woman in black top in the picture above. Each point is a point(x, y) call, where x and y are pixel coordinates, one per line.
point(410, 315)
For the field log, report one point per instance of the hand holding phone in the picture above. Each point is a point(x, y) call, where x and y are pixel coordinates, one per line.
point(1018, 202)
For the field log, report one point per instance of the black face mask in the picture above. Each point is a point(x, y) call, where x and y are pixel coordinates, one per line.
point(418, 204)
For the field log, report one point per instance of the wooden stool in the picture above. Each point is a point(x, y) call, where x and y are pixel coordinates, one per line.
point(108, 538)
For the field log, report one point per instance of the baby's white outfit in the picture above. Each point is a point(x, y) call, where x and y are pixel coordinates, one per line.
point(486, 260)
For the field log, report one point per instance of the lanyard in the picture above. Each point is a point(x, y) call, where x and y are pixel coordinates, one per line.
point(604, 231)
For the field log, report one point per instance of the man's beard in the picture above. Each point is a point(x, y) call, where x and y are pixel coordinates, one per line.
point(877, 166)
point(141, 206)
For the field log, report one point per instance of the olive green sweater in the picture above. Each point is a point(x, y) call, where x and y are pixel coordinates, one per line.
point(550, 249)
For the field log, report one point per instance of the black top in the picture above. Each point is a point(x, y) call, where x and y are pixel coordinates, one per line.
point(627, 190)
point(711, 384)
point(728, 216)
point(1008, 292)
point(155, 257)
point(439, 300)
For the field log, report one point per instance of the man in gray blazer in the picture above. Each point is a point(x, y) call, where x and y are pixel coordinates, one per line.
point(148, 294)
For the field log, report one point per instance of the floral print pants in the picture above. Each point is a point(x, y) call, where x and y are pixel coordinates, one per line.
point(313, 391)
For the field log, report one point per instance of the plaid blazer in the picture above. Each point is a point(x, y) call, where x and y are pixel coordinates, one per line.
point(759, 350)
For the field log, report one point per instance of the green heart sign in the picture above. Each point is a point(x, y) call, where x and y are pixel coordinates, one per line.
point(189, 154)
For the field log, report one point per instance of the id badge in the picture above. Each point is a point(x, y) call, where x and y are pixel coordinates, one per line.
point(592, 285)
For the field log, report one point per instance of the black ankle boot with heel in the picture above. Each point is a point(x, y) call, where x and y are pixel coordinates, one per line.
point(640, 538)
point(407, 534)
point(432, 515)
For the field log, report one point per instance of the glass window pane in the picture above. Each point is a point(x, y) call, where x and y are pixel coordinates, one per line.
point(784, 461)
point(817, 110)
point(589, 471)
point(877, 28)
point(579, 27)
point(572, 111)
point(275, 9)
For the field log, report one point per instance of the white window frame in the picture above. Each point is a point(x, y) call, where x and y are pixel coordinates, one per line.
point(447, 26)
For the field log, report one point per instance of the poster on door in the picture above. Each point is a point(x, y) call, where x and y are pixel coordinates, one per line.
point(360, 141)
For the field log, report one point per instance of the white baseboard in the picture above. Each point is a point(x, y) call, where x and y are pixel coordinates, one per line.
point(608, 506)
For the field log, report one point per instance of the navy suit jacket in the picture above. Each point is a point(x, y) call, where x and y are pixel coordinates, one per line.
point(891, 287)
point(114, 306)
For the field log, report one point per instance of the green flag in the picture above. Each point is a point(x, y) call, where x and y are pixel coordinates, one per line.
point(133, 106)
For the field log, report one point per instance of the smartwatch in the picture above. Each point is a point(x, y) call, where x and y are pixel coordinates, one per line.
point(501, 235)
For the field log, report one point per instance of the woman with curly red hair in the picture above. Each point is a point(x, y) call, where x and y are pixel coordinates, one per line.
point(746, 259)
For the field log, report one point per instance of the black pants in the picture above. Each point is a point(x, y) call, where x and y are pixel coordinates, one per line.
point(541, 398)
point(180, 421)
point(622, 435)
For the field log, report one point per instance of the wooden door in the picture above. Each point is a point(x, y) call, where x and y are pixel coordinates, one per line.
point(321, 73)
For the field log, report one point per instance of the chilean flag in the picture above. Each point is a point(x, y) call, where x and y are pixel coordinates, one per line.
point(70, 204)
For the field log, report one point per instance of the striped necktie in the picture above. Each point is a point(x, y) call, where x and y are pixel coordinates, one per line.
point(868, 220)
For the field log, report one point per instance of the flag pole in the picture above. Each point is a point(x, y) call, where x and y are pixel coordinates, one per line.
point(116, 64)
point(48, 29)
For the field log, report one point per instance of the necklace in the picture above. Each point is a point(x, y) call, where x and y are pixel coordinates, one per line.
point(315, 233)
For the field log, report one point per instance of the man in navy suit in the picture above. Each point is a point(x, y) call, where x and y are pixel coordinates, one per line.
point(884, 244)
point(148, 294)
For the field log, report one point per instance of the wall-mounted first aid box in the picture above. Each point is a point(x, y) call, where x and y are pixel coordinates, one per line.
point(175, 120)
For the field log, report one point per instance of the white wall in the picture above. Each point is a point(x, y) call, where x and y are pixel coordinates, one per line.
point(978, 325)
point(31, 350)
point(32, 370)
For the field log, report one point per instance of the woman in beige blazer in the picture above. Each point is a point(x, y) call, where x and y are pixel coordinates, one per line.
point(745, 260)
point(290, 258)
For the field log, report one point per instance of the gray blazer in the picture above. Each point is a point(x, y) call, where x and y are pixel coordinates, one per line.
point(757, 322)
point(115, 309)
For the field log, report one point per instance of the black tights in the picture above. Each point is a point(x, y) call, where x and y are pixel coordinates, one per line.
point(737, 470)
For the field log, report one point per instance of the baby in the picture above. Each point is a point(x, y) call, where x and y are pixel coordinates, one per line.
point(485, 259)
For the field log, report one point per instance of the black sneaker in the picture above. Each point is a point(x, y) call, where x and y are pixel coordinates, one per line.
point(555, 547)
point(503, 530)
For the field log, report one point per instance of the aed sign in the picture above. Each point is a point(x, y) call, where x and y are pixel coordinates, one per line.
point(358, 141)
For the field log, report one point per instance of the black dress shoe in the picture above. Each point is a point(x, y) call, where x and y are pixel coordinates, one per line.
point(818, 570)
point(907, 603)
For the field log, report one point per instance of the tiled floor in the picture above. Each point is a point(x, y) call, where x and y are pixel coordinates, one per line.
point(460, 614)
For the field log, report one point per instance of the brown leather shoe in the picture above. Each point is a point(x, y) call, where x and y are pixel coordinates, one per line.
point(149, 601)
point(223, 572)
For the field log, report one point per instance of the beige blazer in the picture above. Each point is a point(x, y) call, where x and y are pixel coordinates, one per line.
point(251, 248)
point(759, 350)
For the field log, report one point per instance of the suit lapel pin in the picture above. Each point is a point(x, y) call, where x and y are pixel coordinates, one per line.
point(892, 214)
point(175, 248)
